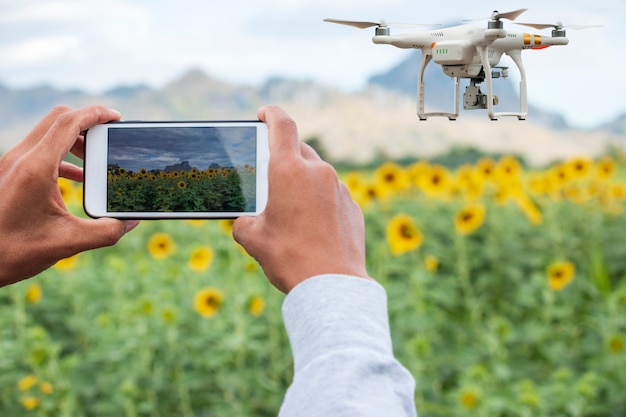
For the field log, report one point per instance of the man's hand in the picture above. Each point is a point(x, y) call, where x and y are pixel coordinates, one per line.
point(36, 228)
point(311, 225)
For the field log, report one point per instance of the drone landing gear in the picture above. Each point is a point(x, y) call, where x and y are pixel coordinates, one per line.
point(421, 113)
point(516, 56)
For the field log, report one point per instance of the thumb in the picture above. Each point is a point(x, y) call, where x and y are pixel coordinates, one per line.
point(243, 232)
point(96, 233)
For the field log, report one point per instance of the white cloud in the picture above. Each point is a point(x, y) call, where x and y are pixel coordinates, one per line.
point(37, 50)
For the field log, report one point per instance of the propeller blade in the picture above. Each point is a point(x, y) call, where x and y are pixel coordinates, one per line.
point(539, 26)
point(356, 24)
point(557, 26)
point(497, 15)
point(381, 23)
point(579, 27)
point(508, 15)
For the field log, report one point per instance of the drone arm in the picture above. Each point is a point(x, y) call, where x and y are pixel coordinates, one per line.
point(427, 56)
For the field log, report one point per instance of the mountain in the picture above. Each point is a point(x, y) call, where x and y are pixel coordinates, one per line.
point(618, 126)
point(356, 126)
point(439, 89)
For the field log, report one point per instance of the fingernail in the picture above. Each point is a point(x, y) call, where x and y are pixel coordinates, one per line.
point(130, 225)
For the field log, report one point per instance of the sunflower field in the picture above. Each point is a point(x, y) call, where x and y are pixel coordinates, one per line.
point(220, 189)
point(506, 286)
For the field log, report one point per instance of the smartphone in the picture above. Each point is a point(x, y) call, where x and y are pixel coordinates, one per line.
point(185, 170)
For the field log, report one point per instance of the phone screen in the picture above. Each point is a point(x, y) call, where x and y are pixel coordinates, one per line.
point(181, 169)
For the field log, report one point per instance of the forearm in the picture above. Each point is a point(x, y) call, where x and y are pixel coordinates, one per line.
point(343, 359)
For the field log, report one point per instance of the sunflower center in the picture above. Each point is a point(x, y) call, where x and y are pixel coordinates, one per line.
point(407, 231)
point(467, 217)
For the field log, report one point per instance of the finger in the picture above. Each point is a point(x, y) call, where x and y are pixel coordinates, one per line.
point(71, 171)
point(42, 127)
point(78, 149)
point(283, 132)
point(35, 135)
point(63, 133)
point(241, 230)
point(308, 152)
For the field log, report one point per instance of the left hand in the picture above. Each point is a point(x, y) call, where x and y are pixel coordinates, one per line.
point(36, 228)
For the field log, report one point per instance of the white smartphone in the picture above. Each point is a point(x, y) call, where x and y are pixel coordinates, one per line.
point(161, 170)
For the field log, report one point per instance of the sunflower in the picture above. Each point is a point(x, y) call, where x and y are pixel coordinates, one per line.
point(436, 181)
point(161, 245)
point(256, 305)
point(371, 193)
point(34, 293)
point(354, 181)
point(402, 235)
point(465, 174)
point(605, 168)
point(530, 209)
point(168, 315)
point(485, 168)
point(226, 225)
point(417, 171)
point(391, 176)
point(196, 222)
point(201, 258)
point(469, 218)
point(431, 263)
point(182, 185)
point(67, 263)
point(539, 183)
point(46, 388)
point(70, 193)
point(30, 403)
point(560, 174)
point(469, 398)
point(26, 383)
point(560, 275)
point(508, 169)
point(617, 192)
point(579, 167)
point(469, 185)
point(208, 301)
point(616, 344)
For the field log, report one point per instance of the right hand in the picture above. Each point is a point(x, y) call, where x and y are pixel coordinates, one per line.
point(311, 225)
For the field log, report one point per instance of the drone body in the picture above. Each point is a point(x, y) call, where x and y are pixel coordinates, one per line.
point(472, 52)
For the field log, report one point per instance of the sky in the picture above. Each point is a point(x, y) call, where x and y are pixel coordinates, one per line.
point(136, 148)
point(95, 46)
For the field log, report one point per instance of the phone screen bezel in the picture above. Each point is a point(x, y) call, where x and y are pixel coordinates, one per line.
point(96, 168)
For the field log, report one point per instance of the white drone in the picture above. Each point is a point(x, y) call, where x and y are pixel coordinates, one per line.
point(469, 51)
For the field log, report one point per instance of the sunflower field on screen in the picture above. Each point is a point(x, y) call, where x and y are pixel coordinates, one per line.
point(506, 286)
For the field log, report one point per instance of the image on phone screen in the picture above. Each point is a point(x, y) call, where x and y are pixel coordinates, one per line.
point(181, 169)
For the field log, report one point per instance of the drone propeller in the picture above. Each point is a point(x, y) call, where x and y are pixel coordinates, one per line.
point(496, 16)
point(507, 15)
point(381, 24)
point(557, 26)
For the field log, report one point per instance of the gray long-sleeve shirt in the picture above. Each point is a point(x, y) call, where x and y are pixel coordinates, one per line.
point(343, 360)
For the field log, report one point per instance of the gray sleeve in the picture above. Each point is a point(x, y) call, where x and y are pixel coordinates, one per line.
point(343, 360)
